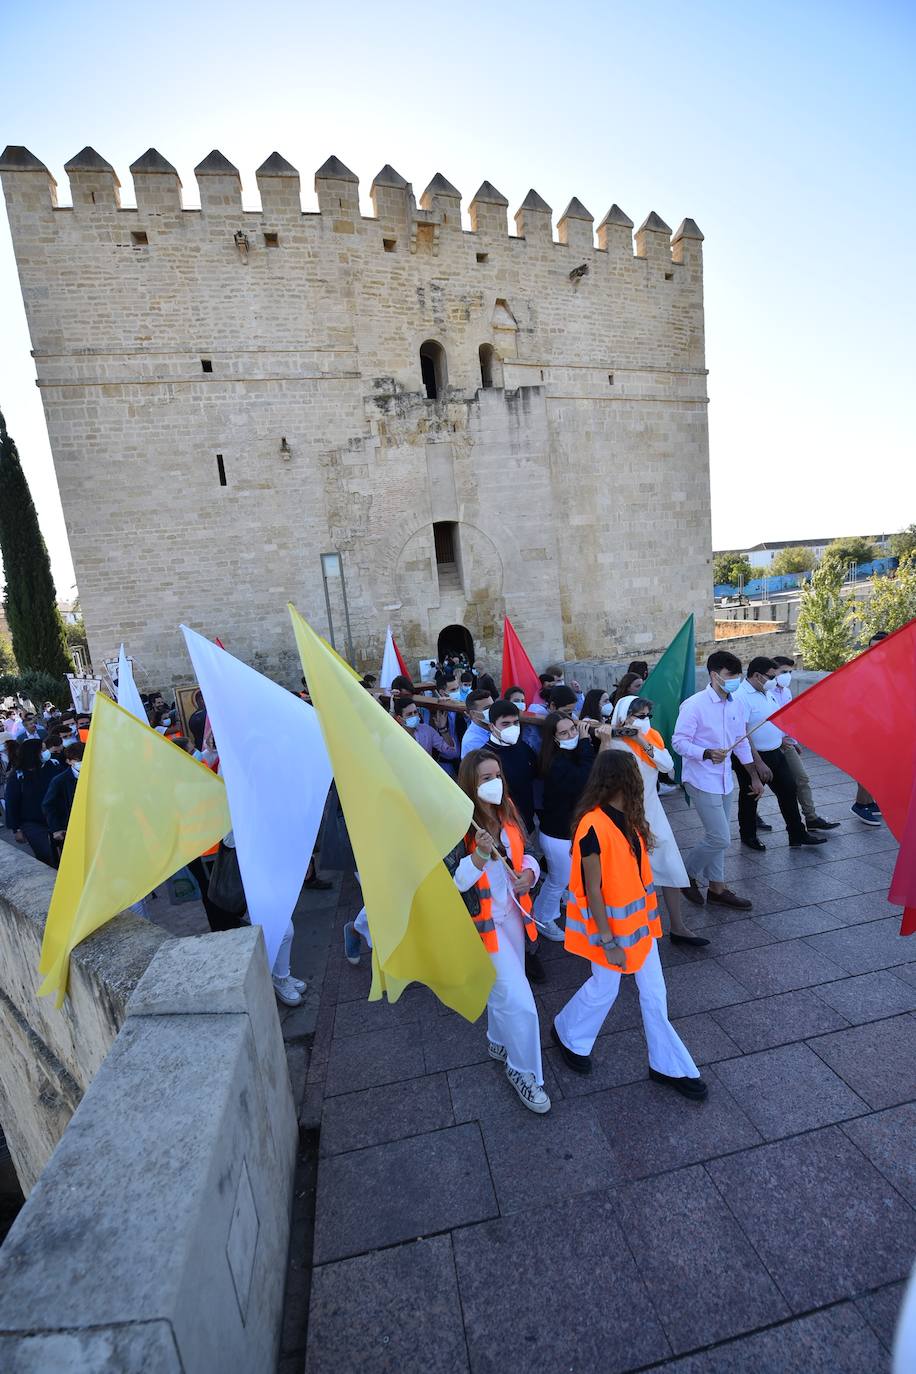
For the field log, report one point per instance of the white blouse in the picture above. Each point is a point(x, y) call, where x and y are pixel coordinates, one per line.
point(467, 874)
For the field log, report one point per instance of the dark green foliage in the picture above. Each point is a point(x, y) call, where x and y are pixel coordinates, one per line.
point(36, 688)
point(30, 601)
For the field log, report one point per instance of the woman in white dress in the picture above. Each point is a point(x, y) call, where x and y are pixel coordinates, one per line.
point(631, 730)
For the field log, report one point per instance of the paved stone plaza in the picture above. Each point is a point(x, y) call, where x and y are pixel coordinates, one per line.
point(767, 1229)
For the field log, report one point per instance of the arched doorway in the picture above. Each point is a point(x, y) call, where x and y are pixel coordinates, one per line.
point(455, 639)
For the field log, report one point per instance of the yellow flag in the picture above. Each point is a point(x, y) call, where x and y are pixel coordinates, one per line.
point(403, 815)
point(143, 808)
point(342, 661)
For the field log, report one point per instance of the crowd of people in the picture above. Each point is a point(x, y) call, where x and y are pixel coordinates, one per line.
point(569, 841)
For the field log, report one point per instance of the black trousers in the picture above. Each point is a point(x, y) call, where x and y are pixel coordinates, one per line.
point(782, 785)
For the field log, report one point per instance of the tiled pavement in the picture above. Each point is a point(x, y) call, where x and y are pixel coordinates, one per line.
point(765, 1231)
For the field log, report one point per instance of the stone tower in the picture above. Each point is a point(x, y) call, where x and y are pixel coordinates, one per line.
point(479, 422)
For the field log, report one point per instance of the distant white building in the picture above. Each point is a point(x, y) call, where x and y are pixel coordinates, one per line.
point(762, 555)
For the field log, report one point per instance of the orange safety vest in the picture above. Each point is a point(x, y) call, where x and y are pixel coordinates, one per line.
point(486, 927)
point(635, 744)
point(628, 893)
point(84, 735)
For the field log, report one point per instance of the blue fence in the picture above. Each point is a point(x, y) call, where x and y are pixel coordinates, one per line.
point(767, 586)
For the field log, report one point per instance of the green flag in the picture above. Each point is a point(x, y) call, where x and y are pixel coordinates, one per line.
point(671, 681)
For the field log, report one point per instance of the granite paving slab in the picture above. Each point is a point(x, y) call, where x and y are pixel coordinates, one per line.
point(877, 1060)
point(802, 920)
point(354, 1121)
point(372, 1058)
point(702, 986)
point(825, 1222)
point(865, 948)
point(861, 909)
point(651, 1128)
point(781, 967)
point(704, 1277)
point(547, 1158)
point(888, 1139)
point(777, 1020)
point(482, 1090)
point(396, 1311)
point(836, 1341)
point(869, 996)
point(525, 1282)
point(788, 1089)
point(881, 1309)
point(401, 1190)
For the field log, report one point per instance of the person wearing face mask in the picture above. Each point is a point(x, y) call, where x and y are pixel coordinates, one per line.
point(436, 738)
point(612, 921)
point(477, 733)
point(25, 792)
point(782, 691)
point(710, 725)
point(597, 705)
point(531, 734)
point(517, 761)
point(767, 741)
point(631, 731)
point(564, 764)
point(53, 752)
point(500, 907)
point(628, 686)
point(58, 801)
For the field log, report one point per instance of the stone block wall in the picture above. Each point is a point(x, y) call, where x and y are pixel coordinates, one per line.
point(231, 392)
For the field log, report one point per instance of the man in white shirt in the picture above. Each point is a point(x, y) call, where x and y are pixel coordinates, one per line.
point(782, 691)
point(711, 724)
point(757, 693)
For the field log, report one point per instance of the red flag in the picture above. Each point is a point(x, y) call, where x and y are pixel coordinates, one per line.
point(517, 667)
point(862, 718)
point(903, 883)
point(397, 653)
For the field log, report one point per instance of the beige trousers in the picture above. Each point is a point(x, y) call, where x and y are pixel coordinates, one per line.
point(800, 778)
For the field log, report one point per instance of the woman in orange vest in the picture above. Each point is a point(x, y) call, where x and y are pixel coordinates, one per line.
point(495, 875)
point(612, 920)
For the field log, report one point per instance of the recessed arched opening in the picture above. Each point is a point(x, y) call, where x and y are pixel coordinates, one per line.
point(454, 640)
point(487, 354)
point(434, 369)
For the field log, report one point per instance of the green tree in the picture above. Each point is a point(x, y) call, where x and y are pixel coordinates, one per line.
point(855, 549)
point(904, 542)
point(7, 657)
point(30, 600)
point(893, 600)
point(794, 560)
point(825, 634)
point(728, 567)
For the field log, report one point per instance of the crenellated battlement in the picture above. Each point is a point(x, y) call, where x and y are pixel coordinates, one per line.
point(403, 224)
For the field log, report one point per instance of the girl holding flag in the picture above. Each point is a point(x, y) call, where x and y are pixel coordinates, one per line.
point(494, 875)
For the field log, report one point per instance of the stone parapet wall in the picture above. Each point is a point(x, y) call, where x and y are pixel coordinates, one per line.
point(48, 1057)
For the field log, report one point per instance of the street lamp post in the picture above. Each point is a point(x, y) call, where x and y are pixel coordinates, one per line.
point(332, 567)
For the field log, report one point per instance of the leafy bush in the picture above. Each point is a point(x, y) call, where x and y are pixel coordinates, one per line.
point(825, 635)
point(794, 560)
point(893, 600)
point(728, 567)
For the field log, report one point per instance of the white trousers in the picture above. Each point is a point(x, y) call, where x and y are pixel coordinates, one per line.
point(281, 963)
point(361, 923)
point(580, 1021)
point(547, 905)
point(512, 1017)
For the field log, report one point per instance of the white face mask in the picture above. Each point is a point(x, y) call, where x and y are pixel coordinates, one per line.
point(568, 743)
point(510, 733)
point(412, 722)
point(522, 705)
point(45, 755)
point(730, 684)
point(166, 720)
point(75, 768)
point(491, 791)
point(643, 725)
point(784, 678)
point(485, 716)
point(607, 709)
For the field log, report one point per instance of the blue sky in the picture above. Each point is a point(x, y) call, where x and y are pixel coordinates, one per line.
point(786, 131)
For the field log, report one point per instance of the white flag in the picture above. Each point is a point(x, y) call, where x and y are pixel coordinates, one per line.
point(128, 696)
point(390, 668)
point(277, 773)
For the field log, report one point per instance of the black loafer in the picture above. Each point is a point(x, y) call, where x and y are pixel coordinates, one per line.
point(694, 1088)
point(818, 823)
point(695, 940)
point(579, 1063)
point(754, 844)
point(693, 893)
point(763, 825)
point(534, 969)
point(807, 839)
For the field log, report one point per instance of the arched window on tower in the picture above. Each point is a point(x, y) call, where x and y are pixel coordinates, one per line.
point(434, 369)
point(487, 354)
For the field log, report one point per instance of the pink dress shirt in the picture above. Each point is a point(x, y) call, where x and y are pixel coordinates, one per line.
point(706, 721)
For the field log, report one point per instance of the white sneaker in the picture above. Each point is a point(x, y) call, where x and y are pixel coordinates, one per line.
point(496, 1051)
point(287, 992)
point(300, 983)
point(551, 930)
point(532, 1094)
point(665, 789)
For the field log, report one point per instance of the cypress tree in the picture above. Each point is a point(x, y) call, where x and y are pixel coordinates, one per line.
point(30, 600)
